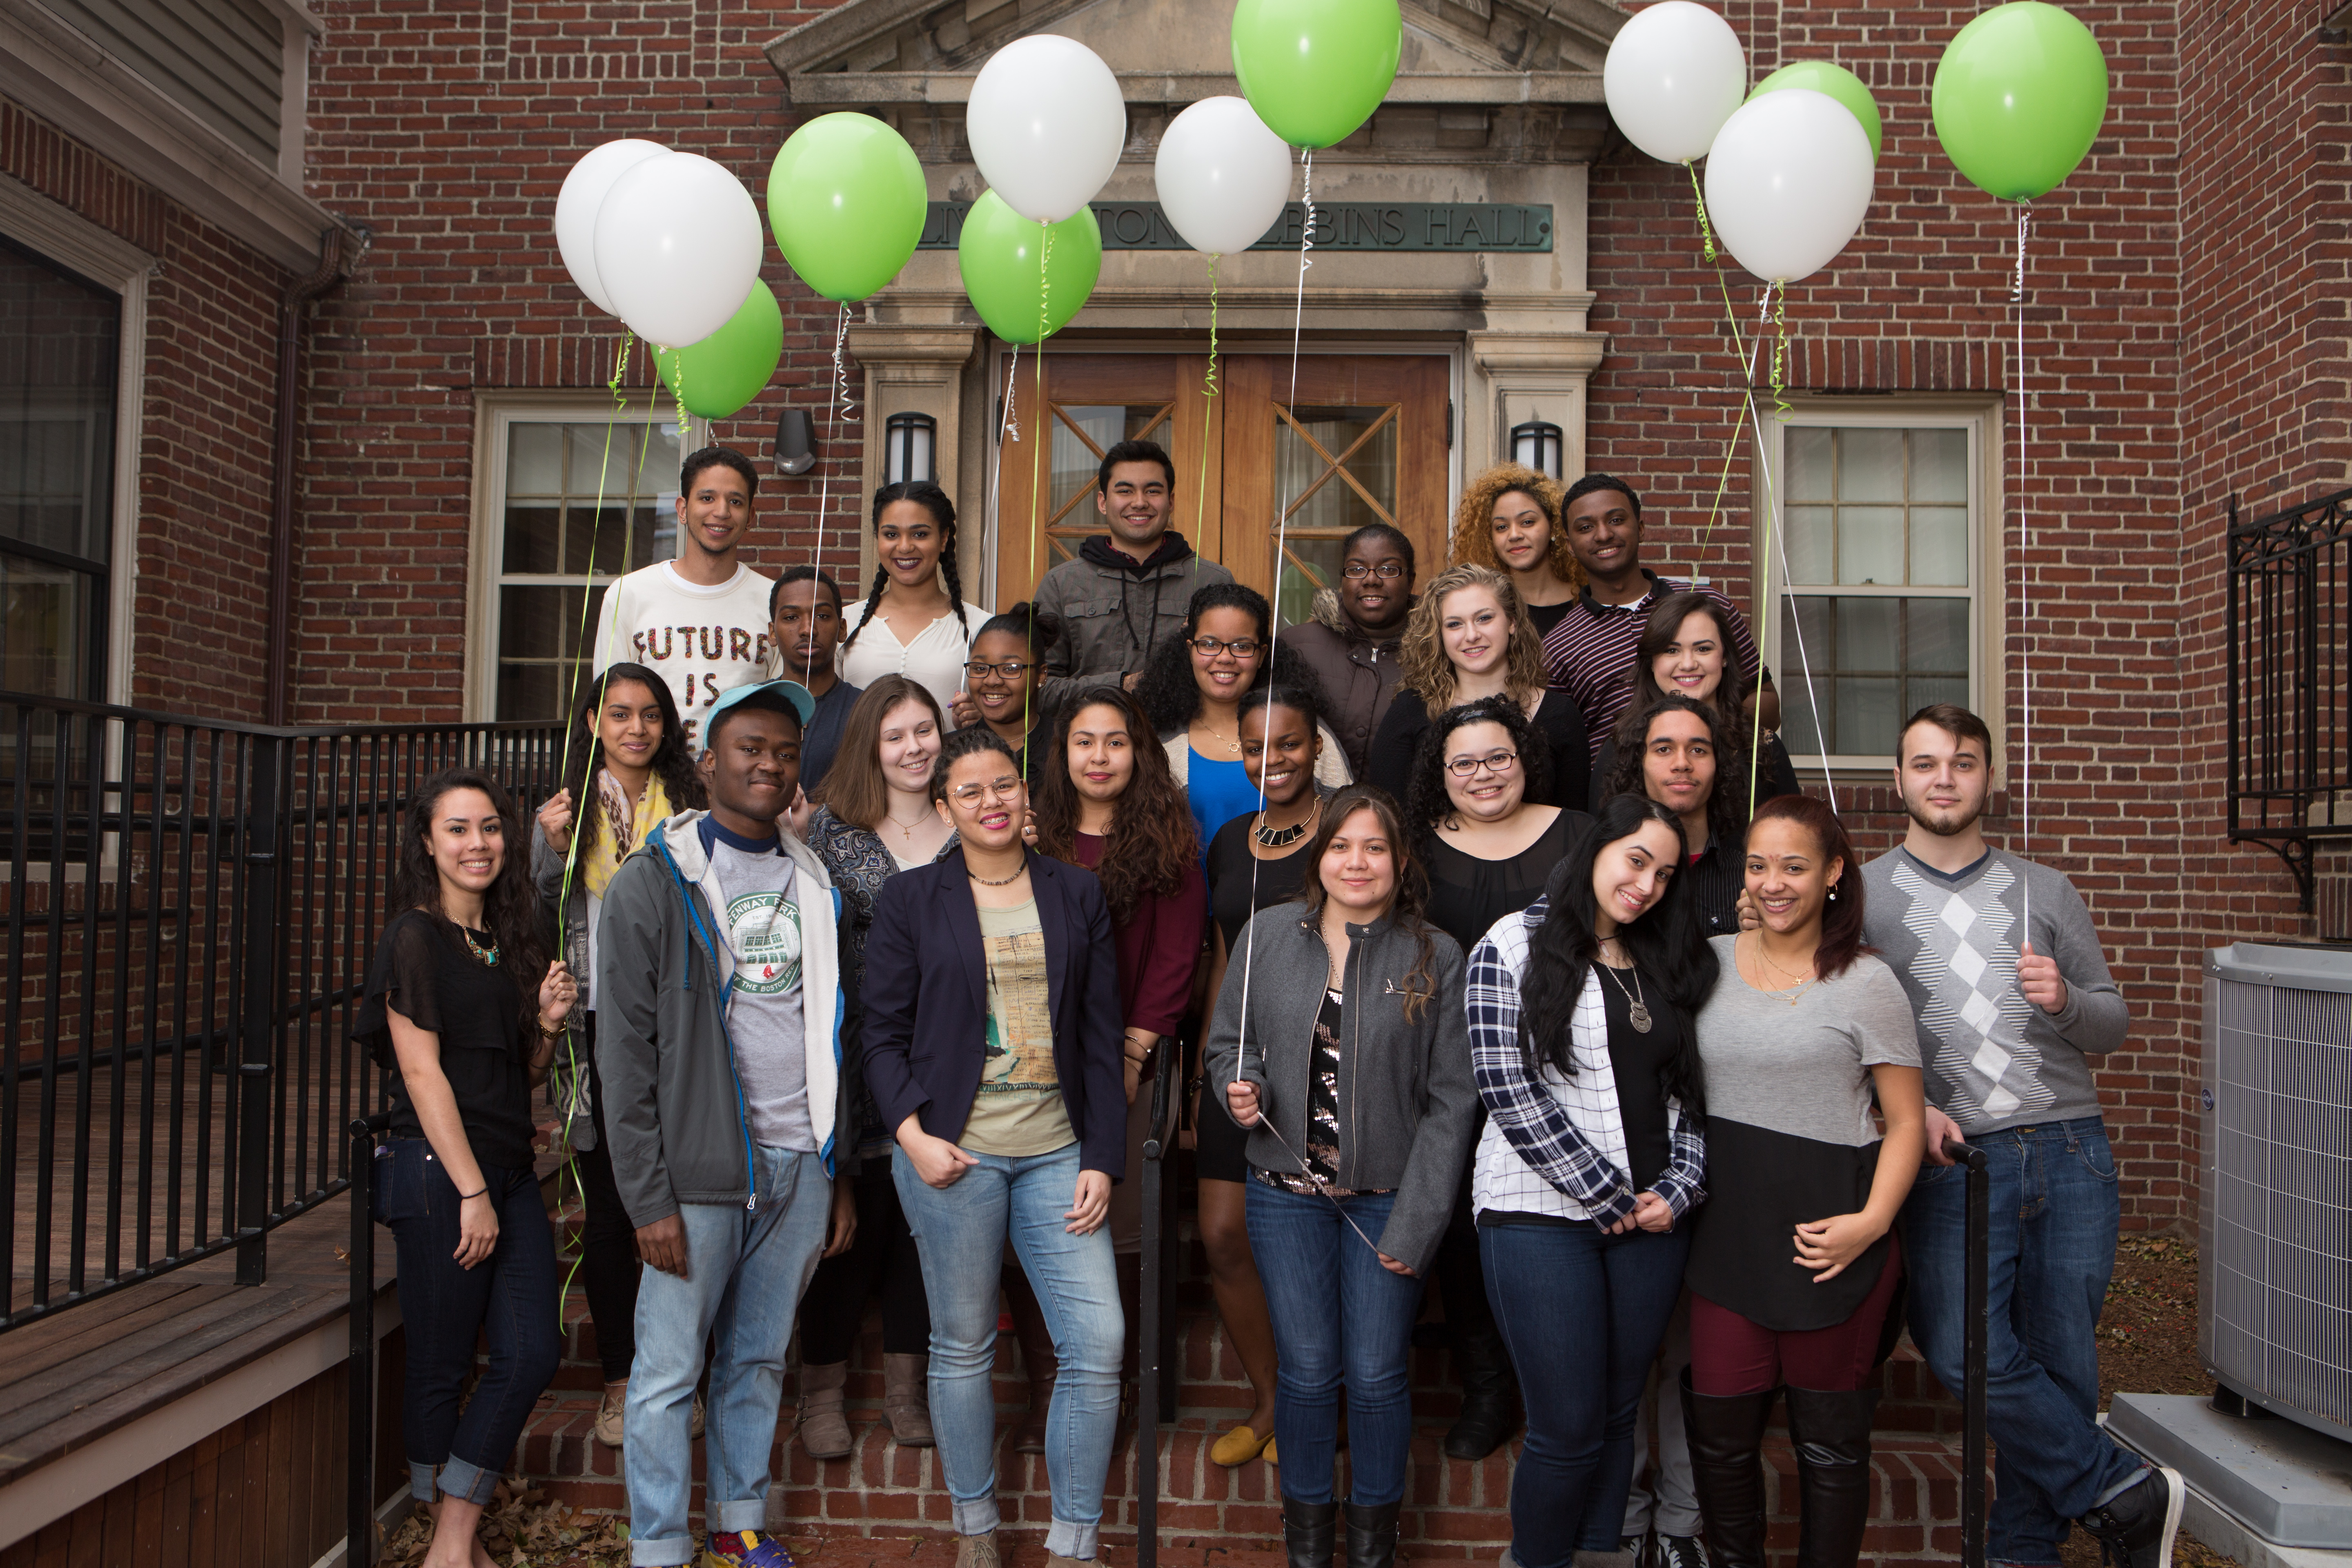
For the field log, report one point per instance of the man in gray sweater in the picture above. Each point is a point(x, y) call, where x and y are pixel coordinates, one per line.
point(2013, 997)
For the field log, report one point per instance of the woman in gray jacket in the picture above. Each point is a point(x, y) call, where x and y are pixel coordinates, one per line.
point(1340, 1042)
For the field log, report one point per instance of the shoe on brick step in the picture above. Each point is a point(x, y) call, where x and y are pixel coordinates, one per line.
point(819, 1418)
point(745, 1549)
point(1239, 1447)
point(2135, 1528)
point(611, 1414)
point(976, 1550)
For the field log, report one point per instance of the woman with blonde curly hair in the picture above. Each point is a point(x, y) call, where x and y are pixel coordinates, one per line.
point(1509, 522)
point(1468, 638)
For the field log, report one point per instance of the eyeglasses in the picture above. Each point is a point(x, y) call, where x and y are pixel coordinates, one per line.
point(1386, 571)
point(1011, 668)
point(1004, 788)
point(1495, 762)
point(1240, 647)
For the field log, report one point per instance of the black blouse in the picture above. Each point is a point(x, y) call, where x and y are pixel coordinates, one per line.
point(1634, 1058)
point(1233, 896)
point(1467, 895)
point(425, 972)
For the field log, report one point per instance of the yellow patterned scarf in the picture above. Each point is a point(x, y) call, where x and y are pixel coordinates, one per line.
point(625, 826)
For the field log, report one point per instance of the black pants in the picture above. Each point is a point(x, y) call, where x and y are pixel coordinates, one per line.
point(608, 1242)
point(884, 1254)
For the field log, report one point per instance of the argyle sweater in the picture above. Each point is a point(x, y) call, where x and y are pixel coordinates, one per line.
point(1992, 1058)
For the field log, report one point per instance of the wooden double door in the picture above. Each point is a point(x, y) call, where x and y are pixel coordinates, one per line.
point(1365, 439)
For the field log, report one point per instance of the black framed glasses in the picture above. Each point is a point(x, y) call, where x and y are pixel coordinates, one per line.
point(1011, 668)
point(1386, 571)
point(1495, 762)
point(1240, 647)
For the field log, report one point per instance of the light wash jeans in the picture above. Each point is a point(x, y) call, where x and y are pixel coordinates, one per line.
point(745, 1270)
point(961, 1231)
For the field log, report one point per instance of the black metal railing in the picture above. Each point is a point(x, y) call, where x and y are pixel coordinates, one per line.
point(2290, 651)
point(191, 905)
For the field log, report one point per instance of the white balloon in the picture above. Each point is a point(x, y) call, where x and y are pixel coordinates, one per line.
point(1674, 75)
point(1223, 176)
point(678, 245)
point(1047, 124)
point(575, 208)
point(1788, 182)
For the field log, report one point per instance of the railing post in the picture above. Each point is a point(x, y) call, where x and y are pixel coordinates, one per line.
point(1146, 1404)
point(359, 1497)
point(263, 835)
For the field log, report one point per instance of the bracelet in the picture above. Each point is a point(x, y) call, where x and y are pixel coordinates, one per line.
point(548, 1032)
point(470, 1197)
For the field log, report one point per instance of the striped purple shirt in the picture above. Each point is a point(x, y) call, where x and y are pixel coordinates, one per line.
point(1590, 651)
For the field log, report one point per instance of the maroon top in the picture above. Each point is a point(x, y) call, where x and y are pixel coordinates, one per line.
point(1159, 944)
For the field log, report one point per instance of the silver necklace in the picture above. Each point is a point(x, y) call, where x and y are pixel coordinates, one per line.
point(1000, 881)
point(1637, 1012)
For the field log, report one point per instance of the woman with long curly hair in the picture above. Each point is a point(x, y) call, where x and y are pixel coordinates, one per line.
point(1192, 690)
point(463, 1010)
point(915, 621)
point(629, 755)
point(1509, 522)
point(1684, 653)
point(1106, 801)
point(1684, 757)
point(1340, 1042)
point(1468, 638)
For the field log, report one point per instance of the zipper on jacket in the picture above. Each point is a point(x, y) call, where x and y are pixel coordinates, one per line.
point(742, 1105)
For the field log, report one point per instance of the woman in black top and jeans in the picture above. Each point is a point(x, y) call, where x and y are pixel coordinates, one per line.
point(464, 1009)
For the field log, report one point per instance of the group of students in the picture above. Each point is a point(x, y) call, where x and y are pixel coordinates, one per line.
point(1498, 953)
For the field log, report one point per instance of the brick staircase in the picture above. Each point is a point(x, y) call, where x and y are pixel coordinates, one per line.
point(1453, 1508)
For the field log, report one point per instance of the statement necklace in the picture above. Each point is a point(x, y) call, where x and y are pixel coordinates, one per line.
point(487, 957)
point(1283, 837)
point(999, 881)
point(1637, 1012)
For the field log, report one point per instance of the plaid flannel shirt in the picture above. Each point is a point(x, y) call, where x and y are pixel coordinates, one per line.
point(1536, 1119)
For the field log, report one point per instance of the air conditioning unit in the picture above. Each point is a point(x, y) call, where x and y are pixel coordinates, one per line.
point(2275, 1244)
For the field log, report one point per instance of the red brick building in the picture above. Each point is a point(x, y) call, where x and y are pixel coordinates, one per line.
point(380, 175)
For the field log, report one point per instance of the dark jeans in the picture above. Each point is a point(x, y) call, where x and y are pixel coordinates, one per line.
point(2054, 1218)
point(1337, 1316)
point(509, 1295)
point(883, 1254)
point(608, 1242)
point(1460, 1270)
point(1584, 1313)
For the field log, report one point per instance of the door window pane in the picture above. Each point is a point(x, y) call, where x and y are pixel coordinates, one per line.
point(1336, 470)
point(1082, 434)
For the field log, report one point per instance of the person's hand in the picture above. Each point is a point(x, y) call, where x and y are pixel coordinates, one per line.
point(1653, 1213)
point(2039, 978)
point(940, 1162)
point(1127, 682)
point(555, 821)
point(1241, 1098)
point(478, 1229)
point(1750, 917)
point(841, 1229)
point(963, 711)
point(1392, 1265)
point(557, 992)
point(1090, 1205)
point(1029, 826)
point(796, 818)
point(1941, 1127)
point(1827, 1246)
point(663, 1244)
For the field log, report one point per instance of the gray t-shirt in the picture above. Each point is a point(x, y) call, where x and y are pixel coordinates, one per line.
point(762, 926)
point(1803, 1069)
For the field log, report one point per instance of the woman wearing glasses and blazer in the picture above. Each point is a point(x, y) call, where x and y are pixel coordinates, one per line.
point(993, 1057)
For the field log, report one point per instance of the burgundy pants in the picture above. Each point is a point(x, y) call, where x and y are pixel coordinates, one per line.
point(1731, 1355)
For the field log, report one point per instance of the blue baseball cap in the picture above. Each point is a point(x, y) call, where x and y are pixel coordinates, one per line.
point(791, 692)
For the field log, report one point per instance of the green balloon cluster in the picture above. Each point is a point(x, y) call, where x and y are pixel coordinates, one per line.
point(2019, 98)
point(727, 370)
point(846, 203)
point(1315, 69)
point(1024, 294)
point(1837, 82)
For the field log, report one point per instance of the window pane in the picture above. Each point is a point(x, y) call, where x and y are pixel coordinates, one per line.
point(44, 629)
point(1865, 721)
point(1938, 634)
point(1812, 464)
point(60, 341)
point(1336, 505)
point(1870, 465)
point(1872, 662)
point(1811, 534)
point(1870, 544)
point(533, 537)
point(1296, 605)
point(1940, 546)
point(1940, 466)
point(535, 460)
point(1077, 454)
point(1866, 636)
point(537, 623)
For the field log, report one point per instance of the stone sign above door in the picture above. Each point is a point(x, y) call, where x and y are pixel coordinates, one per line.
point(1497, 107)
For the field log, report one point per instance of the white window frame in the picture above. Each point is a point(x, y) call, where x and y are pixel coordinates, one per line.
point(72, 241)
point(494, 414)
point(1981, 418)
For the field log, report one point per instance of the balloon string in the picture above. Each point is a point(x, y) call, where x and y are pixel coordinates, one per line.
point(1780, 358)
point(844, 412)
point(2024, 574)
point(1208, 390)
point(1747, 374)
point(1764, 461)
point(1698, 202)
point(1044, 414)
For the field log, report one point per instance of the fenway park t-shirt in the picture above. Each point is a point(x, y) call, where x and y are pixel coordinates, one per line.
point(700, 640)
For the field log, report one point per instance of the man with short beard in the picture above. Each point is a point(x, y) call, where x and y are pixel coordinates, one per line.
point(2012, 994)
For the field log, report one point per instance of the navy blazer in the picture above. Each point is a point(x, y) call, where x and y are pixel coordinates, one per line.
point(925, 1000)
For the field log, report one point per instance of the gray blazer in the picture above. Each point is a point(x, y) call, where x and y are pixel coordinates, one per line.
point(1408, 1108)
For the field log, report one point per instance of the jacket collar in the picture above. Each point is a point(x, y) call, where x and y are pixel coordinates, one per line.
point(683, 845)
point(1327, 614)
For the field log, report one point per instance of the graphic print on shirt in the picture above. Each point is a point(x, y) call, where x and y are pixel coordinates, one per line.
point(1019, 1054)
point(764, 930)
point(1966, 964)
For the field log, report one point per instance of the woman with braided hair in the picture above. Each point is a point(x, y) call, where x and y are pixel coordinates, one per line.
point(916, 621)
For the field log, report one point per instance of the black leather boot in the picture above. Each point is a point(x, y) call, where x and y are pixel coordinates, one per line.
point(1726, 1436)
point(1307, 1531)
point(1372, 1535)
point(1483, 1365)
point(1830, 1432)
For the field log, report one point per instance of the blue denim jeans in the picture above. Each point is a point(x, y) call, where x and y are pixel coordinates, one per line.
point(508, 1298)
point(961, 1231)
point(745, 1270)
point(1337, 1315)
point(2054, 1217)
point(1584, 1313)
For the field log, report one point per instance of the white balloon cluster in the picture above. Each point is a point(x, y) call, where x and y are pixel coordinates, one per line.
point(1047, 124)
point(669, 242)
point(1790, 173)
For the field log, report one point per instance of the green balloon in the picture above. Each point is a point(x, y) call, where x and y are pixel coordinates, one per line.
point(1024, 295)
point(1315, 69)
point(2019, 96)
point(1836, 81)
point(718, 375)
point(846, 203)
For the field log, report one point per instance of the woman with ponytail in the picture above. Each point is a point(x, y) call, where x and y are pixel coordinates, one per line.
point(915, 621)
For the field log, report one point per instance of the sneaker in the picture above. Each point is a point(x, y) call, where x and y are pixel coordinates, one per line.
point(610, 1416)
point(976, 1550)
point(694, 1422)
point(746, 1549)
point(2135, 1528)
point(1676, 1552)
